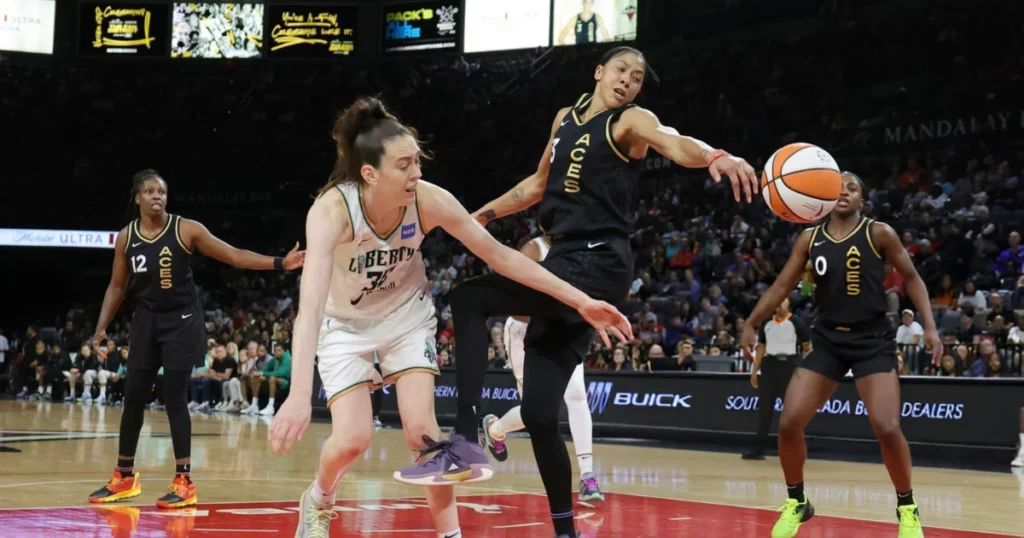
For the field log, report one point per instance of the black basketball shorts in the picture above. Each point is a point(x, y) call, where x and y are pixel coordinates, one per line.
point(869, 349)
point(173, 339)
point(603, 269)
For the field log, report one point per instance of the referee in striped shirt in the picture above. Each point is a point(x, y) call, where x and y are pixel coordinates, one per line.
point(777, 355)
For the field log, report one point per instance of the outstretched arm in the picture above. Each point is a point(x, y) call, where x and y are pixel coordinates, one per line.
point(115, 290)
point(441, 209)
point(327, 226)
point(529, 191)
point(891, 249)
point(773, 296)
point(689, 152)
point(197, 236)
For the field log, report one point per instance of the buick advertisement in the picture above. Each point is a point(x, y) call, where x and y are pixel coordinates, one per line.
point(955, 411)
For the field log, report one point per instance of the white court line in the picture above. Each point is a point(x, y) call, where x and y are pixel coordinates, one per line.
point(680, 518)
point(233, 530)
point(391, 531)
point(516, 526)
point(731, 505)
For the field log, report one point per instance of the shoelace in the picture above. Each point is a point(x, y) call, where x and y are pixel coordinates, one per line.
point(443, 448)
point(907, 518)
point(319, 522)
point(178, 488)
point(789, 508)
point(591, 483)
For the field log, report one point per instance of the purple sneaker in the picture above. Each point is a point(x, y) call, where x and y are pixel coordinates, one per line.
point(457, 462)
point(22, 395)
point(589, 490)
point(495, 447)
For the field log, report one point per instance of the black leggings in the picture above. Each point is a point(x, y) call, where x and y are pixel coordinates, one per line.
point(137, 388)
point(551, 357)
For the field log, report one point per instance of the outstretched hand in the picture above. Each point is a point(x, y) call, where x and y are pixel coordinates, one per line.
point(290, 424)
point(607, 319)
point(740, 174)
point(295, 258)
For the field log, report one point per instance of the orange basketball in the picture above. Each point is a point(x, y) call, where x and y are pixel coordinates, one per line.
point(801, 183)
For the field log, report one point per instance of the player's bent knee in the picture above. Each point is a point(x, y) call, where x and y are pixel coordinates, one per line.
point(573, 395)
point(536, 418)
point(887, 430)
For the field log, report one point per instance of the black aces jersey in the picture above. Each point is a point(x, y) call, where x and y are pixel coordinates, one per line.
point(592, 183)
point(848, 277)
point(161, 272)
point(586, 31)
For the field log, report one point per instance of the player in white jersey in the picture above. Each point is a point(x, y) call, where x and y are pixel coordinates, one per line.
point(363, 291)
point(580, 422)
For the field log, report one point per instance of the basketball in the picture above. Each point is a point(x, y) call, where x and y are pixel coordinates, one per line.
point(801, 182)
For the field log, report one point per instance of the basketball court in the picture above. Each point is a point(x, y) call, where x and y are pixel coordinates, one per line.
point(53, 455)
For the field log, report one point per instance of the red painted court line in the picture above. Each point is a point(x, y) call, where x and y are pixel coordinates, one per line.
point(481, 516)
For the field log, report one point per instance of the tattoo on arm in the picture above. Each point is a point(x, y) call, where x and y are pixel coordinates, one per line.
point(489, 214)
point(517, 195)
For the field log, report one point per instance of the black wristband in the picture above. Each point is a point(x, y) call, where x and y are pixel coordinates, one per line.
point(279, 263)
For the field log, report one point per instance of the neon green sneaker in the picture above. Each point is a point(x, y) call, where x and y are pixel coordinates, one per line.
point(910, 521)
point(793, 515)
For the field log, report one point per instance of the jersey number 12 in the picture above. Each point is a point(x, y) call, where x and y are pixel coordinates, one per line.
point(138, 264)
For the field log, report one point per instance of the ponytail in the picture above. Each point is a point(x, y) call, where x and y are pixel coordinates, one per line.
point(360, 133)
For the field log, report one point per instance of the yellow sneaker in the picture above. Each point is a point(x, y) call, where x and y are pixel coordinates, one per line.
point(793, 515)
point(910, 521)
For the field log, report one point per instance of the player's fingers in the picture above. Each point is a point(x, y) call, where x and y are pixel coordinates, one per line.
point(715, 174)
point(737, 178)
point(752, 176)
point(617, 334)
point(604, 338)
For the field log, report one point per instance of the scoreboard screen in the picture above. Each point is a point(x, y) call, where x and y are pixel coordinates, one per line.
point(421, 26)
point(311, 31)
point(581, 23)
point(217, 31)
point(493, 25)
point(128, 29)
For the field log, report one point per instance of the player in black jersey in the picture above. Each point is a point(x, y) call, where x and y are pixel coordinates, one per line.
point(168, 327)
point(847, 256)
point(584, 26)
point(586, 183)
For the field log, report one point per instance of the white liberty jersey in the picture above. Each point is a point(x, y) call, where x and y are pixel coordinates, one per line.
point(374, 275)
point(542, 246)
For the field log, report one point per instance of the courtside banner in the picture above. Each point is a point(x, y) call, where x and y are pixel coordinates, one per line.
point(950, 411)
point(22, 237)
point(27, 25)
point(421, 26)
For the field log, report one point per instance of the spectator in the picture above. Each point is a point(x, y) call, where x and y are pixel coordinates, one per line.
point(277, 375)
point(967, 332)
point(684, 360)
point(950, 366)
point(199, 386)
point(944, 296)
point(224, 370)
point(910, 332)
point(982, 365)
point(619, 363)
point(998, 308)
point(72, 369)
point(90, 371)
point(972, 296)
point(1010, 262)
point(894, 288)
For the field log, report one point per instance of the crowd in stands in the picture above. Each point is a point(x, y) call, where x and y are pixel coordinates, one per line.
point(701, 260)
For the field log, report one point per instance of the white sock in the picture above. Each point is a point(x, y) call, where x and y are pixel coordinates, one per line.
point(320, 496)
point(580, 422)
point(1021, 449)
point(255, 402)
point(41, 389)
point(511, 422)
point(103, 392)
point(586, 462)
point(270, 403)
point(457, 533)
point(72, 393)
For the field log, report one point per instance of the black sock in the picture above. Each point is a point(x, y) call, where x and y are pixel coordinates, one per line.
point(905, 499)
point(184, 469)
point(125, 467)
point(564, 524)
point(796, 492)
point(466, 422)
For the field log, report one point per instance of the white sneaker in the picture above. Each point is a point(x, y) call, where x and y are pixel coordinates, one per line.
point(235, 407)
point(87, 399)
point(205, 406)
point(267, 411)
point(220, 407)
point(250, 410)
point(1019, 462)
point(101, 401)
point(192, 406)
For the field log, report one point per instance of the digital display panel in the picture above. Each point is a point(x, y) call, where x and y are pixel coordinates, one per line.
point(217, 31)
